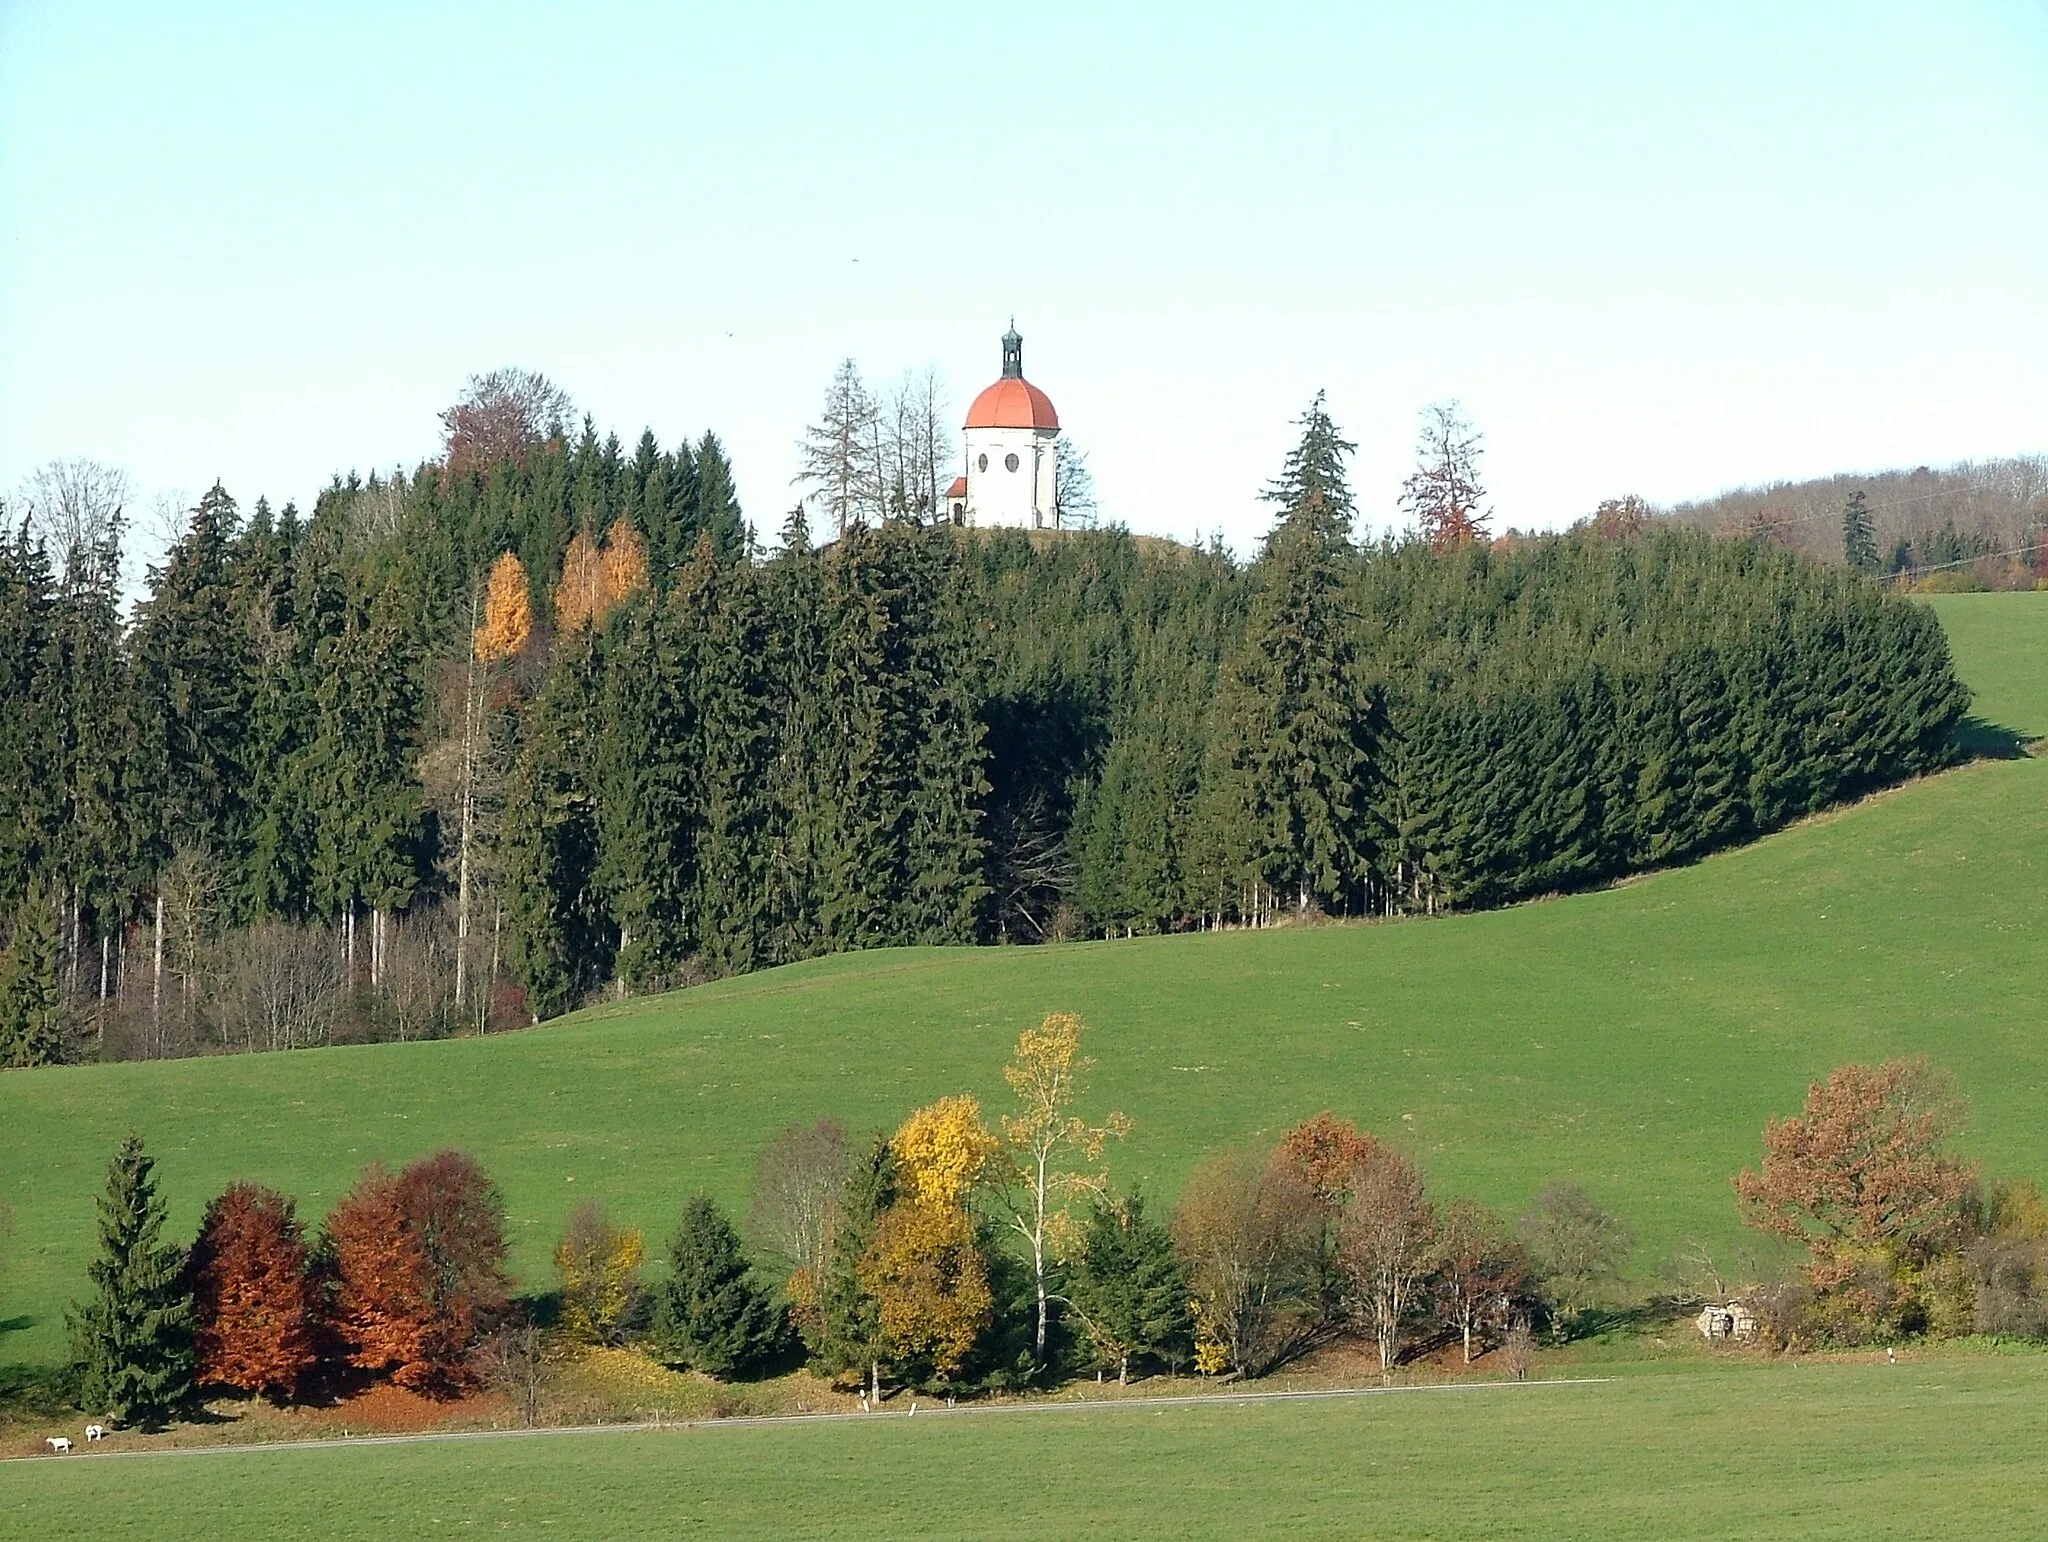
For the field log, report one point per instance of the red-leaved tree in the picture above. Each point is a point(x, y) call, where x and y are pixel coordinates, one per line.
point(253, 1302)
point(1863, 1170)
point(420, 1269)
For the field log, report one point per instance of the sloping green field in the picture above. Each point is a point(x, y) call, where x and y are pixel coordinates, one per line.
point(1635, 1039)
point(1944, 1448)
point(2000, 643)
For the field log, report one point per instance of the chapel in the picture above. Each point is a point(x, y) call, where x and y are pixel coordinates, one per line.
point(1012, 441)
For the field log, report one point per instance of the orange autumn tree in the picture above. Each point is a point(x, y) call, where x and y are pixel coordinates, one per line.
point(420, 1269)
point(253, 1302)
point(597, 580)
point(507, 612)
point(1330, 1153)
point(1863, 1174)
point(381, 1306)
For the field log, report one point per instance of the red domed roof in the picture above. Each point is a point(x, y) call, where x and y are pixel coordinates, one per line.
point(1013, 402)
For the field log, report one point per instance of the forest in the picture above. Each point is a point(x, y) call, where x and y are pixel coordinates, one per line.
point(542, 721)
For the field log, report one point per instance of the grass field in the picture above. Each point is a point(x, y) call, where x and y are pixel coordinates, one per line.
point(1937, 1448)
point(1635, 1039)
point(2000, 643)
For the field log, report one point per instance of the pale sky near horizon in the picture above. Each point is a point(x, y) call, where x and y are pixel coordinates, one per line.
point(1651, 248)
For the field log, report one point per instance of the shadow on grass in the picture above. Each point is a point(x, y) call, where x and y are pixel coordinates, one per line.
point(1979, 740)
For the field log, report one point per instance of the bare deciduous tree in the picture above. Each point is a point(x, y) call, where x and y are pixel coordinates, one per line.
point(515, 1363)
point(1387, 1241)
point(281, 987)
point(797, 1184)
point(74, 507)
point(417, 985)
point(1246, 1230)
point(1074, 490)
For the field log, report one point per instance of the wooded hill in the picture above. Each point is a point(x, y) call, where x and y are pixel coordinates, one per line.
point(698, 759)
point(1983, 520)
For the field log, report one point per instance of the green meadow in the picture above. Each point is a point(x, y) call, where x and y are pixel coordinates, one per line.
point(1936, 1448)
point(1635, 1039)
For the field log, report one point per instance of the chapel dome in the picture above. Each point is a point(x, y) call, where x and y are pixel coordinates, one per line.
point(1013, 402)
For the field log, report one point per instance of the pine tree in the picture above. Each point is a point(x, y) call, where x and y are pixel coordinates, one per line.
point(1127, 1288)
point(710, 1315)
point(1859, 536)
point(133, 1337)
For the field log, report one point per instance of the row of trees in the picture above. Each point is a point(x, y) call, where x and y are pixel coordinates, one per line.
point(550, 689)
point(947, 1255)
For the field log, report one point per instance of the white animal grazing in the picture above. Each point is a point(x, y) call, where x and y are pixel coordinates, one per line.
point(95, 1432)
point(59, 1443)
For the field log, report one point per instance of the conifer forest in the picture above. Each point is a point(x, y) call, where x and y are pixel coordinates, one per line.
point(542, 721)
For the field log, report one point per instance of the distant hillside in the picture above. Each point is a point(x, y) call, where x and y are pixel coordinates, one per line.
point(1982, 517)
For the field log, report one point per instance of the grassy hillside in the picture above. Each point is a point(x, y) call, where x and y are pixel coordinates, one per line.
point(1634, 1039)
point(2000, 643)
point(1927, 1449)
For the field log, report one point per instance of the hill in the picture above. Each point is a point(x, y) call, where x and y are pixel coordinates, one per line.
point(1945, 515)
point(1635, 1038)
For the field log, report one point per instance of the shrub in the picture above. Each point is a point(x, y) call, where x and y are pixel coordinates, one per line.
point(599, 1267)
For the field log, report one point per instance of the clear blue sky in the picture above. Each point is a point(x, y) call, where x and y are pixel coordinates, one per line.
point(1653, 248)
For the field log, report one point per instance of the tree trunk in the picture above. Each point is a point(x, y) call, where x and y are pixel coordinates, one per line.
point(469, 715)
point(156, 990)
point(1468, 1338)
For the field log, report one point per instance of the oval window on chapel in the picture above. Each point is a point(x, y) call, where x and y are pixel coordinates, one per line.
point(1010, 461)
point(981, 464)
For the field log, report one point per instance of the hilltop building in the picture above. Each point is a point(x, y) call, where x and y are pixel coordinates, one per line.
point(1012, 440)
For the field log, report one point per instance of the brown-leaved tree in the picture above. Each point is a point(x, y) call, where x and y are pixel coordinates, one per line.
point(254, 1307)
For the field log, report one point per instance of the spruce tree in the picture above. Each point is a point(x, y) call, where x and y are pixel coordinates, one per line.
point(709, 1314)
point(1295, 772)
point(133, 1338)
point(1127, 1288)
point(31, 1018)
point(1859, 537)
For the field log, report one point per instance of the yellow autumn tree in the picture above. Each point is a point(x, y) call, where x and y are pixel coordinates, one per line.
point(599, 1265)
point(625, 565)
point(579, 597)
point(930, 1285)
point(1044, 1138)
point(508, 612)
point(942, 1153)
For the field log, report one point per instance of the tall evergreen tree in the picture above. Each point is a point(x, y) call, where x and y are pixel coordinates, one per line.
point(709, 1314)
point(1859, 536)
point(1296, 771)
point(1127, 1288)
point(31, 1006)
point(133, 1336)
